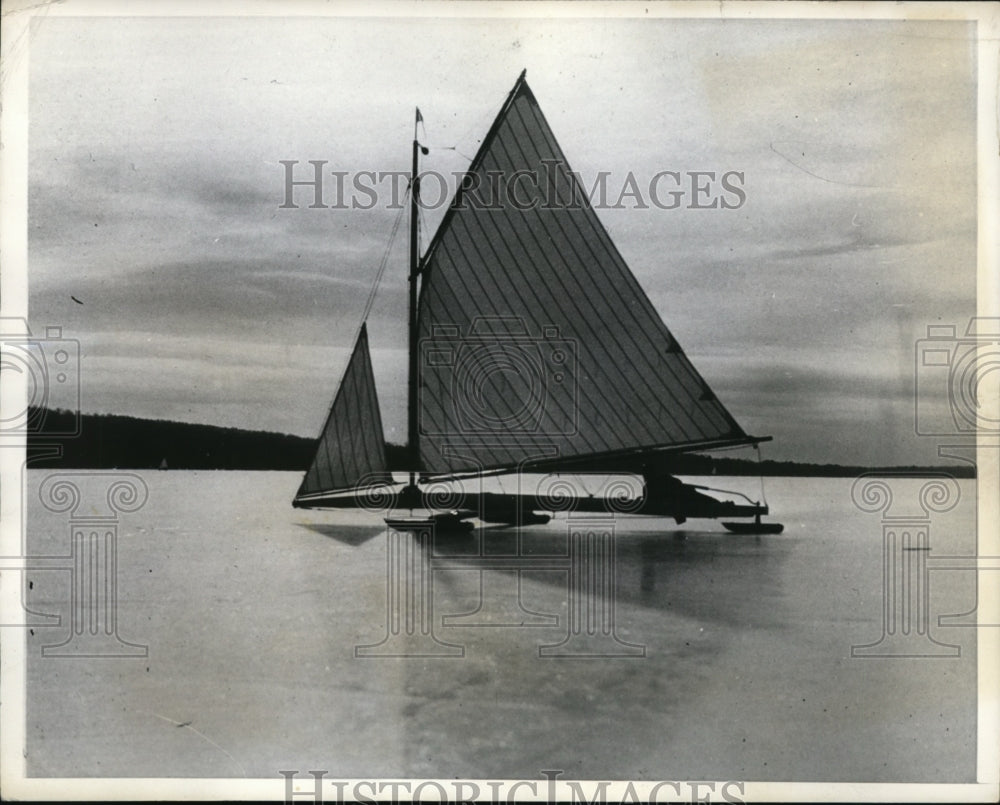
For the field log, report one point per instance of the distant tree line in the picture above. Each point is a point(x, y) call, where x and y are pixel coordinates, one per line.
point(107, 441)
point(693, 464)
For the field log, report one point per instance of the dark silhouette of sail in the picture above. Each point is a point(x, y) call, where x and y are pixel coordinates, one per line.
point(351, 450)
point(536, 340)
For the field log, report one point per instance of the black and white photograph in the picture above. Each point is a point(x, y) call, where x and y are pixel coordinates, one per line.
point(484, 401)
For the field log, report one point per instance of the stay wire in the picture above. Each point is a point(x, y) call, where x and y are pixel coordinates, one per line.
point(760, 476)
point(385, 259)
point(760, 467)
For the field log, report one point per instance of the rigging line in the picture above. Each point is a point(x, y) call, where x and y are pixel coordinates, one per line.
point(364, 317)
point(449, 148)
point(760, 467)
point(385, 260)
point(725, 491)
point(423, 126)
point(760, 477)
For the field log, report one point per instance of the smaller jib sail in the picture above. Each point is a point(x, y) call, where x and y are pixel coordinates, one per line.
point(351, 450)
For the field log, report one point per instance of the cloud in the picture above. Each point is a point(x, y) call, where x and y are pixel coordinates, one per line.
point(155, 189)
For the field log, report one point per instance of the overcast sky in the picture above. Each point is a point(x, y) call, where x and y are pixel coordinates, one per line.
point(155, 187)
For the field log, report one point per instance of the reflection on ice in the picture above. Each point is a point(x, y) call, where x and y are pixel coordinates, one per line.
point(253, 613)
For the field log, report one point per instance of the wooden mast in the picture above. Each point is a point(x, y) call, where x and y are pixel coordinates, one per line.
point(412, 435)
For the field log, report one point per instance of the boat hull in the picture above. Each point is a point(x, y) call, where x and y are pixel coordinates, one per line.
point(675, 499)
point(446, 521)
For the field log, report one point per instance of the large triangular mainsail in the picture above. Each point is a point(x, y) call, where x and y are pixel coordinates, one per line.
point(536, 340)
point(351, 450)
